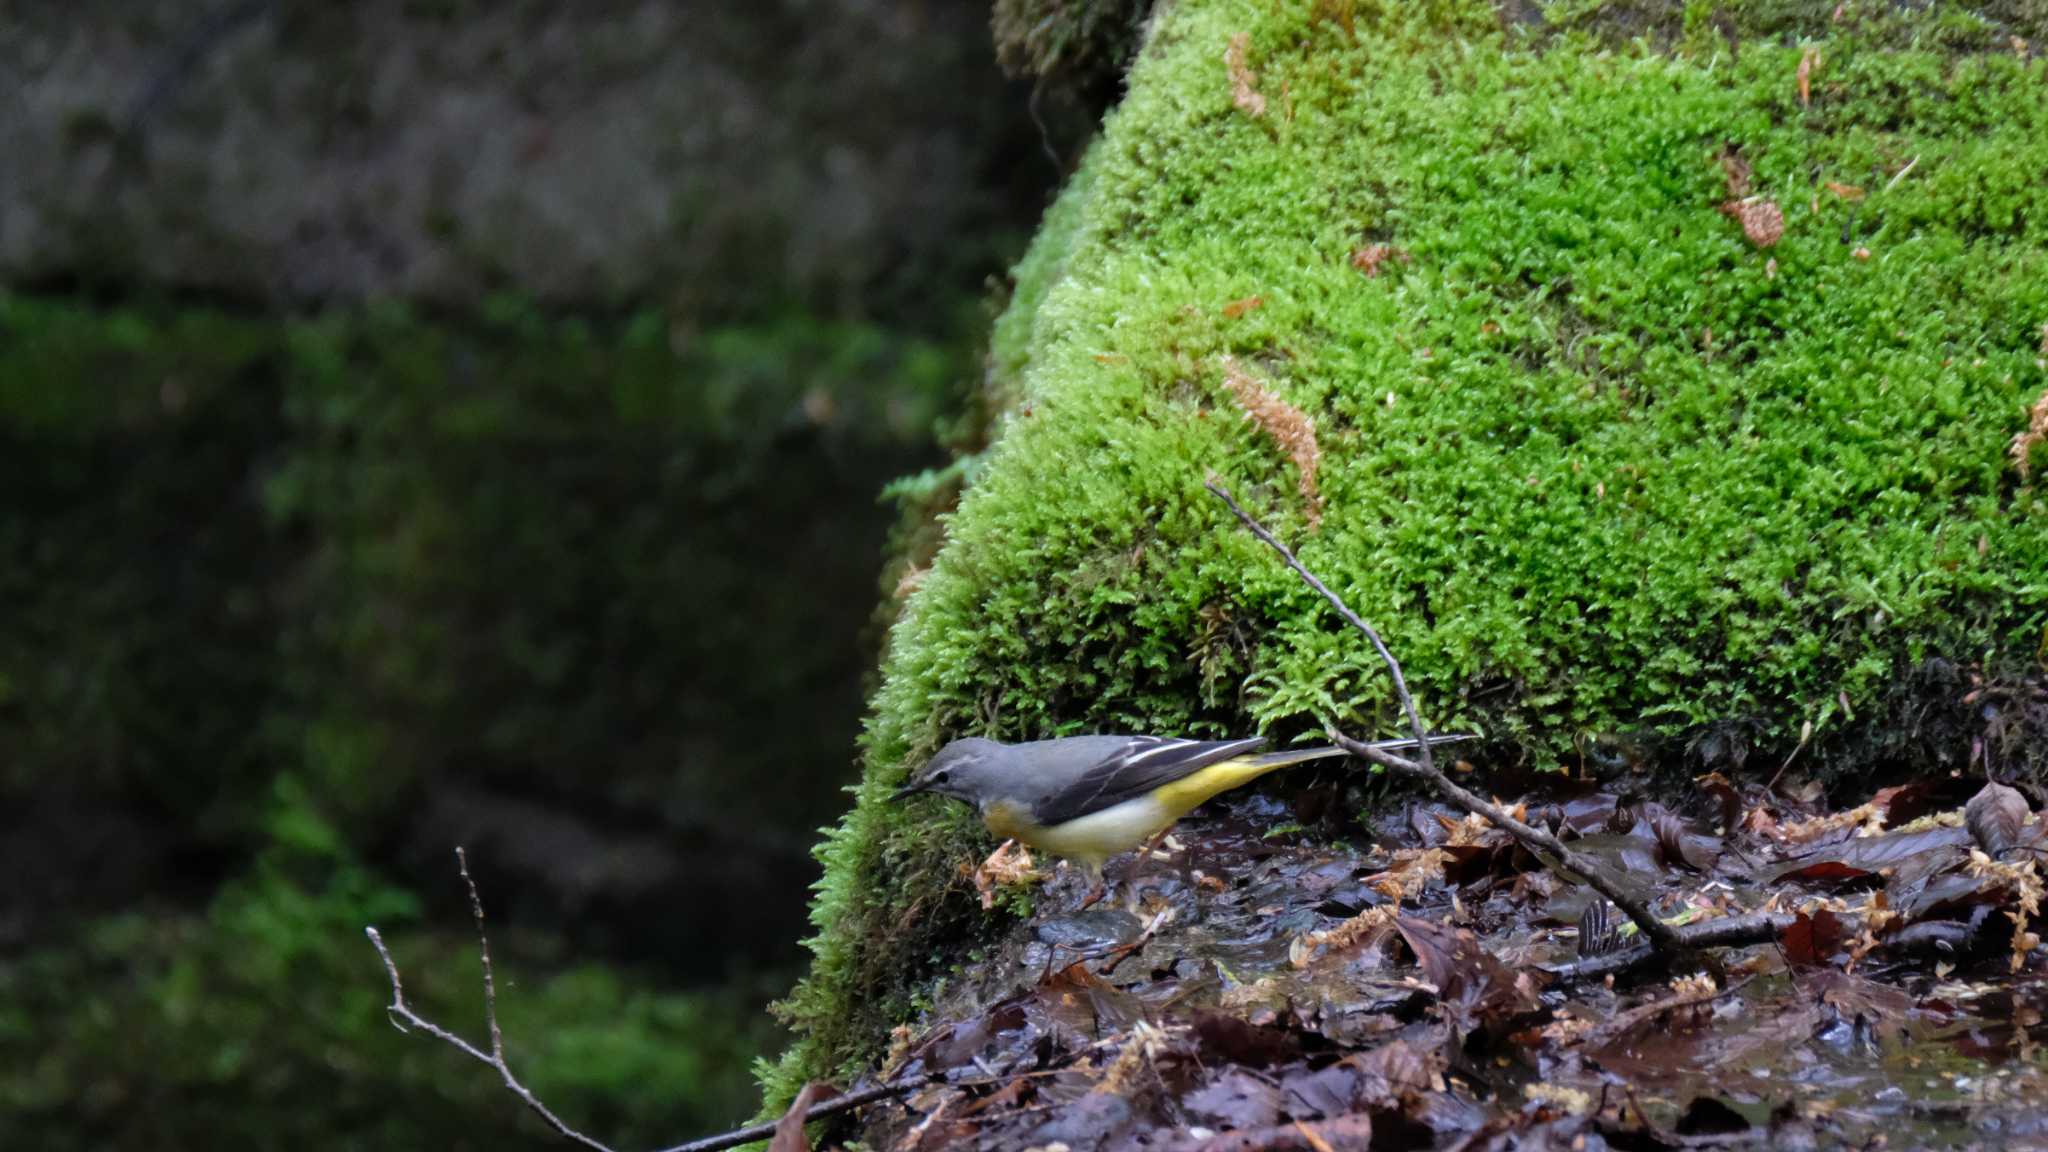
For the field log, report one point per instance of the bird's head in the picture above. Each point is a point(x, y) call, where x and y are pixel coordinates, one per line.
point(965, 770)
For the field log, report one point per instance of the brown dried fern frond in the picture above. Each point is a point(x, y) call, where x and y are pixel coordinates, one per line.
point(2036, 432)
point(1289, 427)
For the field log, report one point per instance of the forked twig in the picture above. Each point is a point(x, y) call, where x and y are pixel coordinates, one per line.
point(1423, 767)
point(407, 1020)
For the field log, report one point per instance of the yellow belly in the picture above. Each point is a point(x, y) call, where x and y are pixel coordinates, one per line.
point(1094, 838)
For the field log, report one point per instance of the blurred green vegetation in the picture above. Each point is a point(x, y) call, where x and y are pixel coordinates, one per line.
point(294, 604)
point(260, 1023)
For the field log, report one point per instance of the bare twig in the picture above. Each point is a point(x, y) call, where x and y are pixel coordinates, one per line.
point(832, 1107)
point(1123, 952)
point(1423, 759)
point(405, 1018)
point(1910, 165)
point(1352, 1130)
point(1727, 932)
point(1424, 766)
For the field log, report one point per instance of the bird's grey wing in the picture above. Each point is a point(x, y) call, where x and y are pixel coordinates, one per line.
point(1139, 765)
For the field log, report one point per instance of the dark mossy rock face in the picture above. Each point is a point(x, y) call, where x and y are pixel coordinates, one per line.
point(1663, 364)
point(716, 159)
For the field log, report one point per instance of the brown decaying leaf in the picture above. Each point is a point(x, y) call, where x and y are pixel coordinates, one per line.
point(1244, 82)
point(1849, 192)
point(1863, 856)
point(1237, 308)
point(1289, 427)
point(1807, 60)
point(1763, 222)
point(1813, 939)
point(1995, 816)
point(1228, 1039)
point(2036, 432)
point(1678, 848)
point(789, 1131)
point(1379, 1078)
point(1009, 864)
point(1367, 925)
point(1369, 258)
point(1475, 986)
point(1726, 798)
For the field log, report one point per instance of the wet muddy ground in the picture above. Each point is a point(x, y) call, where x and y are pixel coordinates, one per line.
point(1435, 985)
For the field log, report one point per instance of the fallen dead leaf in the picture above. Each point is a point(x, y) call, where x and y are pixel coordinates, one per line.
point(1995, 816)
point(1237, 308)
point(1813, 939)
point(1369, 258)
point(1244, 91)
point(1291, 429)
point(1807, 60)
point(1009, 864)
point(789, 1131)
point(2036, 431)
point(1725, 797)
point(1763, 222)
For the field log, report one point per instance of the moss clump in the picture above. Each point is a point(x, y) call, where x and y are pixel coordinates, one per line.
point(1593, 460)
point(1079, 42)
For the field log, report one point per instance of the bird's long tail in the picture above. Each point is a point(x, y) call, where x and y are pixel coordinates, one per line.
point(1281, 759)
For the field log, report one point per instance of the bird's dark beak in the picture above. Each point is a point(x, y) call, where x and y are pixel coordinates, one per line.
point(905, 792)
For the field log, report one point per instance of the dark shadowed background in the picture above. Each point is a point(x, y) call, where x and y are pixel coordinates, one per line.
point(429, 422)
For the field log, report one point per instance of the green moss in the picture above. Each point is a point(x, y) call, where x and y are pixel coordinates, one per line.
point(1044, 264)
point(1593, 461)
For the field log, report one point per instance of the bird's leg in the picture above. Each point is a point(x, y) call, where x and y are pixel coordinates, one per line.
point(1136, 871)
point(1099, 889)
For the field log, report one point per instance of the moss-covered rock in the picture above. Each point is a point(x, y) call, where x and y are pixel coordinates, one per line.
point(1662, 364)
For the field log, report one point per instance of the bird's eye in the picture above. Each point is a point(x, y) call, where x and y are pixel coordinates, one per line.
point(939, 777)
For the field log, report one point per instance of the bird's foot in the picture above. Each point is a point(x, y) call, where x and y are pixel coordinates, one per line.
point(1095, 894)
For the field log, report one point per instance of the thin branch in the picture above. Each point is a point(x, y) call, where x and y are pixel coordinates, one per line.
point(406, 1019)
point(483, 951)
point(1423, 759)
point(1123, 952)
point(1910, 165)
point(1726, 932)
point(833, 1107)
point(1424, 766)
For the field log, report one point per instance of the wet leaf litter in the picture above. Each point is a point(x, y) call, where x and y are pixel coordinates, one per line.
point(1424, 989)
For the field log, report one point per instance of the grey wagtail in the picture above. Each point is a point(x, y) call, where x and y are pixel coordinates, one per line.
point(1088, 798)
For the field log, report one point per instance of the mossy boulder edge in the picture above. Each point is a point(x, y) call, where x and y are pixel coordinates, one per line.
point(1664, 366)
